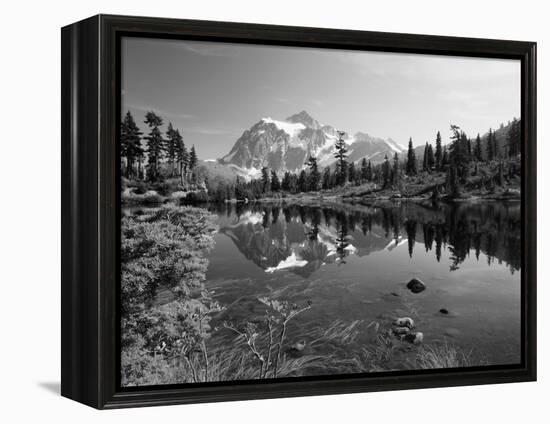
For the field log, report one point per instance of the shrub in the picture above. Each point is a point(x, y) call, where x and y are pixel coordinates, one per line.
point(196, 197)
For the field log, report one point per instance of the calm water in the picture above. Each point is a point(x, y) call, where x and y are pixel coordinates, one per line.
point(353, 263)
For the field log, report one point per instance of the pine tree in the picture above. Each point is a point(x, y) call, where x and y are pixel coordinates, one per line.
point(496, 149)
point(193, 158)
point(425, 158)
point(155, 145)
point(302, 182)
point(369, 172)
point(477, 149)
point(514, 138)
point(411, 160)
point(466, 147)
point(265, 180)
point(182, 157)
point(171, 147)
point(130, 144)
point(275, 183)
point(240, 189)
point(396, 174)
point(341, 154)
point(490, 146)
point(314, 174)
point(351, 172)
point(445, 157)
point(438, 152)
point(431, 159)
point(285, 184)
point(386, 170)
point(364, 170)
point(458, 154)
point(326, 179)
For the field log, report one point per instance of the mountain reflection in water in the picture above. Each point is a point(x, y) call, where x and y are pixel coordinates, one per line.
point(354, 261)
point(304, 238)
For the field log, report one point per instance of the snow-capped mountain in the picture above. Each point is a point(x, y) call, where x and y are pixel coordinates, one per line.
point(287, 145)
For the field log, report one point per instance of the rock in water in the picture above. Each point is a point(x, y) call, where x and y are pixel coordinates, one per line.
point(414, 338)
point(416, 286)
point(404, 322)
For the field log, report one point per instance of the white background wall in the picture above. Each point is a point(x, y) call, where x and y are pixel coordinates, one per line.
point(30, 212)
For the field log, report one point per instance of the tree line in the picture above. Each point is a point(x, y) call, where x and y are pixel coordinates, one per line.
point(144, 163)
point(455, 159)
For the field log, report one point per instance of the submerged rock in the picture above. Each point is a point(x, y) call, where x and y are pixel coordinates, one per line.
point(416, 286)
point(404, 322)
point(452, 332)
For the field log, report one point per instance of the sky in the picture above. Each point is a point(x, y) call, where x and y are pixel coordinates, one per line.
point(213, 92)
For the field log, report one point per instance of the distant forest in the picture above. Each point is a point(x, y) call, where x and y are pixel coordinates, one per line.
point(156, 157)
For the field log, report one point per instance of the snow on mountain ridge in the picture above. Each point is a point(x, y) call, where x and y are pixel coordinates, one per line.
point(287, 145)
point(290, 128)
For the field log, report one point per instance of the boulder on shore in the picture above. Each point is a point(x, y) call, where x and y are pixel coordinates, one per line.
point(416, 285)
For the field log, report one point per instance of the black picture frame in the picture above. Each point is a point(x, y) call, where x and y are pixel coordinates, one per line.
point(91, 211)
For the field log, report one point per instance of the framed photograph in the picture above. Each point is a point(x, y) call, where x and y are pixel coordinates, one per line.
point(254, 211)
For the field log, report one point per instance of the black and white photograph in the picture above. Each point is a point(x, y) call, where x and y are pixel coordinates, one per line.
point(299, 212)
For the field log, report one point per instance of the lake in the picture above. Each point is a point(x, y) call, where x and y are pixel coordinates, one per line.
point(353, 262)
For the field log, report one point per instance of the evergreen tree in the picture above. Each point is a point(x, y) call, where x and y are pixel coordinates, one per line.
point(326, 179)
point(285, 184)
point(477, 149)
point(452, 180)
point(369, 172)
point(240, 189)
point(130, 144)
point(364, 170)
point(425, 158)
point(302, 182)
point(411, 160)
point(490, 146)
point(496, 149)
point(314, 174)
point(445, 157)
point(275, 183)
point(351, 172)
point(265, 180)
point(182, 157)
point(431, 158)
point(458, 155)
point(466, 147)
point(341, 154)
point(171, 147)
point(514, 138)
point(193, 158)
point(386, 170)
point(438, 152)
point(155, 144)
point(396, 175)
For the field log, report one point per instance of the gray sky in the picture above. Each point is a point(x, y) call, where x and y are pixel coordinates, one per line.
point(213, 92)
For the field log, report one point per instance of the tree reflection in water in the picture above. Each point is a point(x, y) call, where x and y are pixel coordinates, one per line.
point(328, 232)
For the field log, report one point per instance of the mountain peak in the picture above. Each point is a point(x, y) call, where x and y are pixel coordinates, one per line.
point(304, 118)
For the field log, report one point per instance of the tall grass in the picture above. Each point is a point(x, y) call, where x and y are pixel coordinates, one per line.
point(443, 356)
